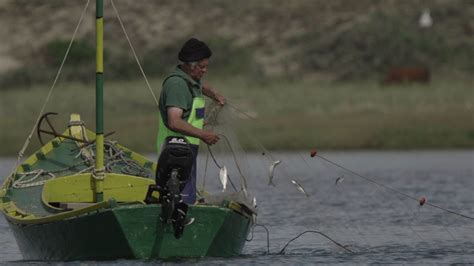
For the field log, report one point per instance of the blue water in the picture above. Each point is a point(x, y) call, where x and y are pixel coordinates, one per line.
point(377, 224)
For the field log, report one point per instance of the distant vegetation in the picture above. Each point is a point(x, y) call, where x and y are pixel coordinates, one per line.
point(262, 40)
point(156, 61)
point(309, 70)
point(296, 115)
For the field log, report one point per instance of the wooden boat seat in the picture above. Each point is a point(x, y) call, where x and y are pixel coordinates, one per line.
point(79, 189)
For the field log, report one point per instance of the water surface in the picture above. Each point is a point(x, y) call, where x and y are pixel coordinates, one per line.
point(377, 224)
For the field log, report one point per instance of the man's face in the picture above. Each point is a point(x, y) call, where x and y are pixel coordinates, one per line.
point(198, 70)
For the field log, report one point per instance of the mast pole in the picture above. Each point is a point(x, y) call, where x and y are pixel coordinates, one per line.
point(99, 171)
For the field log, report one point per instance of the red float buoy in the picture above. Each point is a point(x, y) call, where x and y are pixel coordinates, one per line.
point(422, 201)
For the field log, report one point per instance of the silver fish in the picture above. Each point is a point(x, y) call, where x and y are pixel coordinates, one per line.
point(299, 187)
point(223, 177)
point(254, 202)
point(339, 179)
point(244, 190)
point(270, 172)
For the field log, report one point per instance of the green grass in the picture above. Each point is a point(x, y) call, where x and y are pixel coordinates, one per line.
point(289, 114)
point(361, 115)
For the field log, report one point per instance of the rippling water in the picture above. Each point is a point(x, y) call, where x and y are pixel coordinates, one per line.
point(377, 224)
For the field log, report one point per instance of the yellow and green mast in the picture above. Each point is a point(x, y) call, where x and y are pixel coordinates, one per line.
point(99, 171)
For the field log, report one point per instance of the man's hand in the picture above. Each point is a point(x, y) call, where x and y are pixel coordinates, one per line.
point(212, 93)
point(209, 137)
point(219, 99)
point(175, 123)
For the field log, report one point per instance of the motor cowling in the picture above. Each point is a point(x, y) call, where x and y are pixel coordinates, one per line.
point(174, 169)
point(176, 154)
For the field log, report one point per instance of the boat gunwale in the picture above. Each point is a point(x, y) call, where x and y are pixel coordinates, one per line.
point(33, 220)
point(27, 219)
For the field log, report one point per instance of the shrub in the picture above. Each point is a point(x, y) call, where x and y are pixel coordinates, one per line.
point(81, 52)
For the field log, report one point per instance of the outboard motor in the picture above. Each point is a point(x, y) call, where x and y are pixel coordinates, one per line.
point(174, 168)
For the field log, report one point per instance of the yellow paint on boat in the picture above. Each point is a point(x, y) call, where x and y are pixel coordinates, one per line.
point(80, 133)
point(15, 215)
point(79, 188)
point(76, 128)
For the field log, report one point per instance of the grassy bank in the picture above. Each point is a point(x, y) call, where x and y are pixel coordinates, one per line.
point(289, 114)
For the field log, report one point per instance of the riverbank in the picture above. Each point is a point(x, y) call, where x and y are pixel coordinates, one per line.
point(288, 115)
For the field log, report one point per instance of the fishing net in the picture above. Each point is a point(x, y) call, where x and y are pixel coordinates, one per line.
point(365, 209)
point(227, 152)
point(247, 161)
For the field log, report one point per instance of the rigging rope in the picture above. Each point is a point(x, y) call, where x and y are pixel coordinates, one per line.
point(28, 139)
point(134, 54)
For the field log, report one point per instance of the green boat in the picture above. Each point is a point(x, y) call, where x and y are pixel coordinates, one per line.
point(84, 197)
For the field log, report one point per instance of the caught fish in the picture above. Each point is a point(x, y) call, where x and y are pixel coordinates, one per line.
point(254, 202)
point(339, 179)
point(270, 172)
point(244, 190)
point(299, 187)
point(223, 177)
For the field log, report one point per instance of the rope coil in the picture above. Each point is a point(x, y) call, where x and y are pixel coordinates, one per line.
point(21, 183)
point(115, 158)
point(98, 174)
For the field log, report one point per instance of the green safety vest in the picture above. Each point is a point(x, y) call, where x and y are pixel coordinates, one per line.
point(196, 119)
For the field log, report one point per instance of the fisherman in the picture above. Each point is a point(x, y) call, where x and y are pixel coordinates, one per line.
point(182, 105)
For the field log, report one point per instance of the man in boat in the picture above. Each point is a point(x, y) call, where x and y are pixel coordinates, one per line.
point(182, 105)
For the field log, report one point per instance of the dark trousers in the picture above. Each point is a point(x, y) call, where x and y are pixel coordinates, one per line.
point(189, 192)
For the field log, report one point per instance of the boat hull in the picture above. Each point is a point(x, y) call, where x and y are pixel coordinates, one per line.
point(134, 232)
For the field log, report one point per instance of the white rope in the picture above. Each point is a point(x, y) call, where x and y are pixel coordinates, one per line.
point(28, 140)
point(134, 54)
point(21, 183)
point(116, 158)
